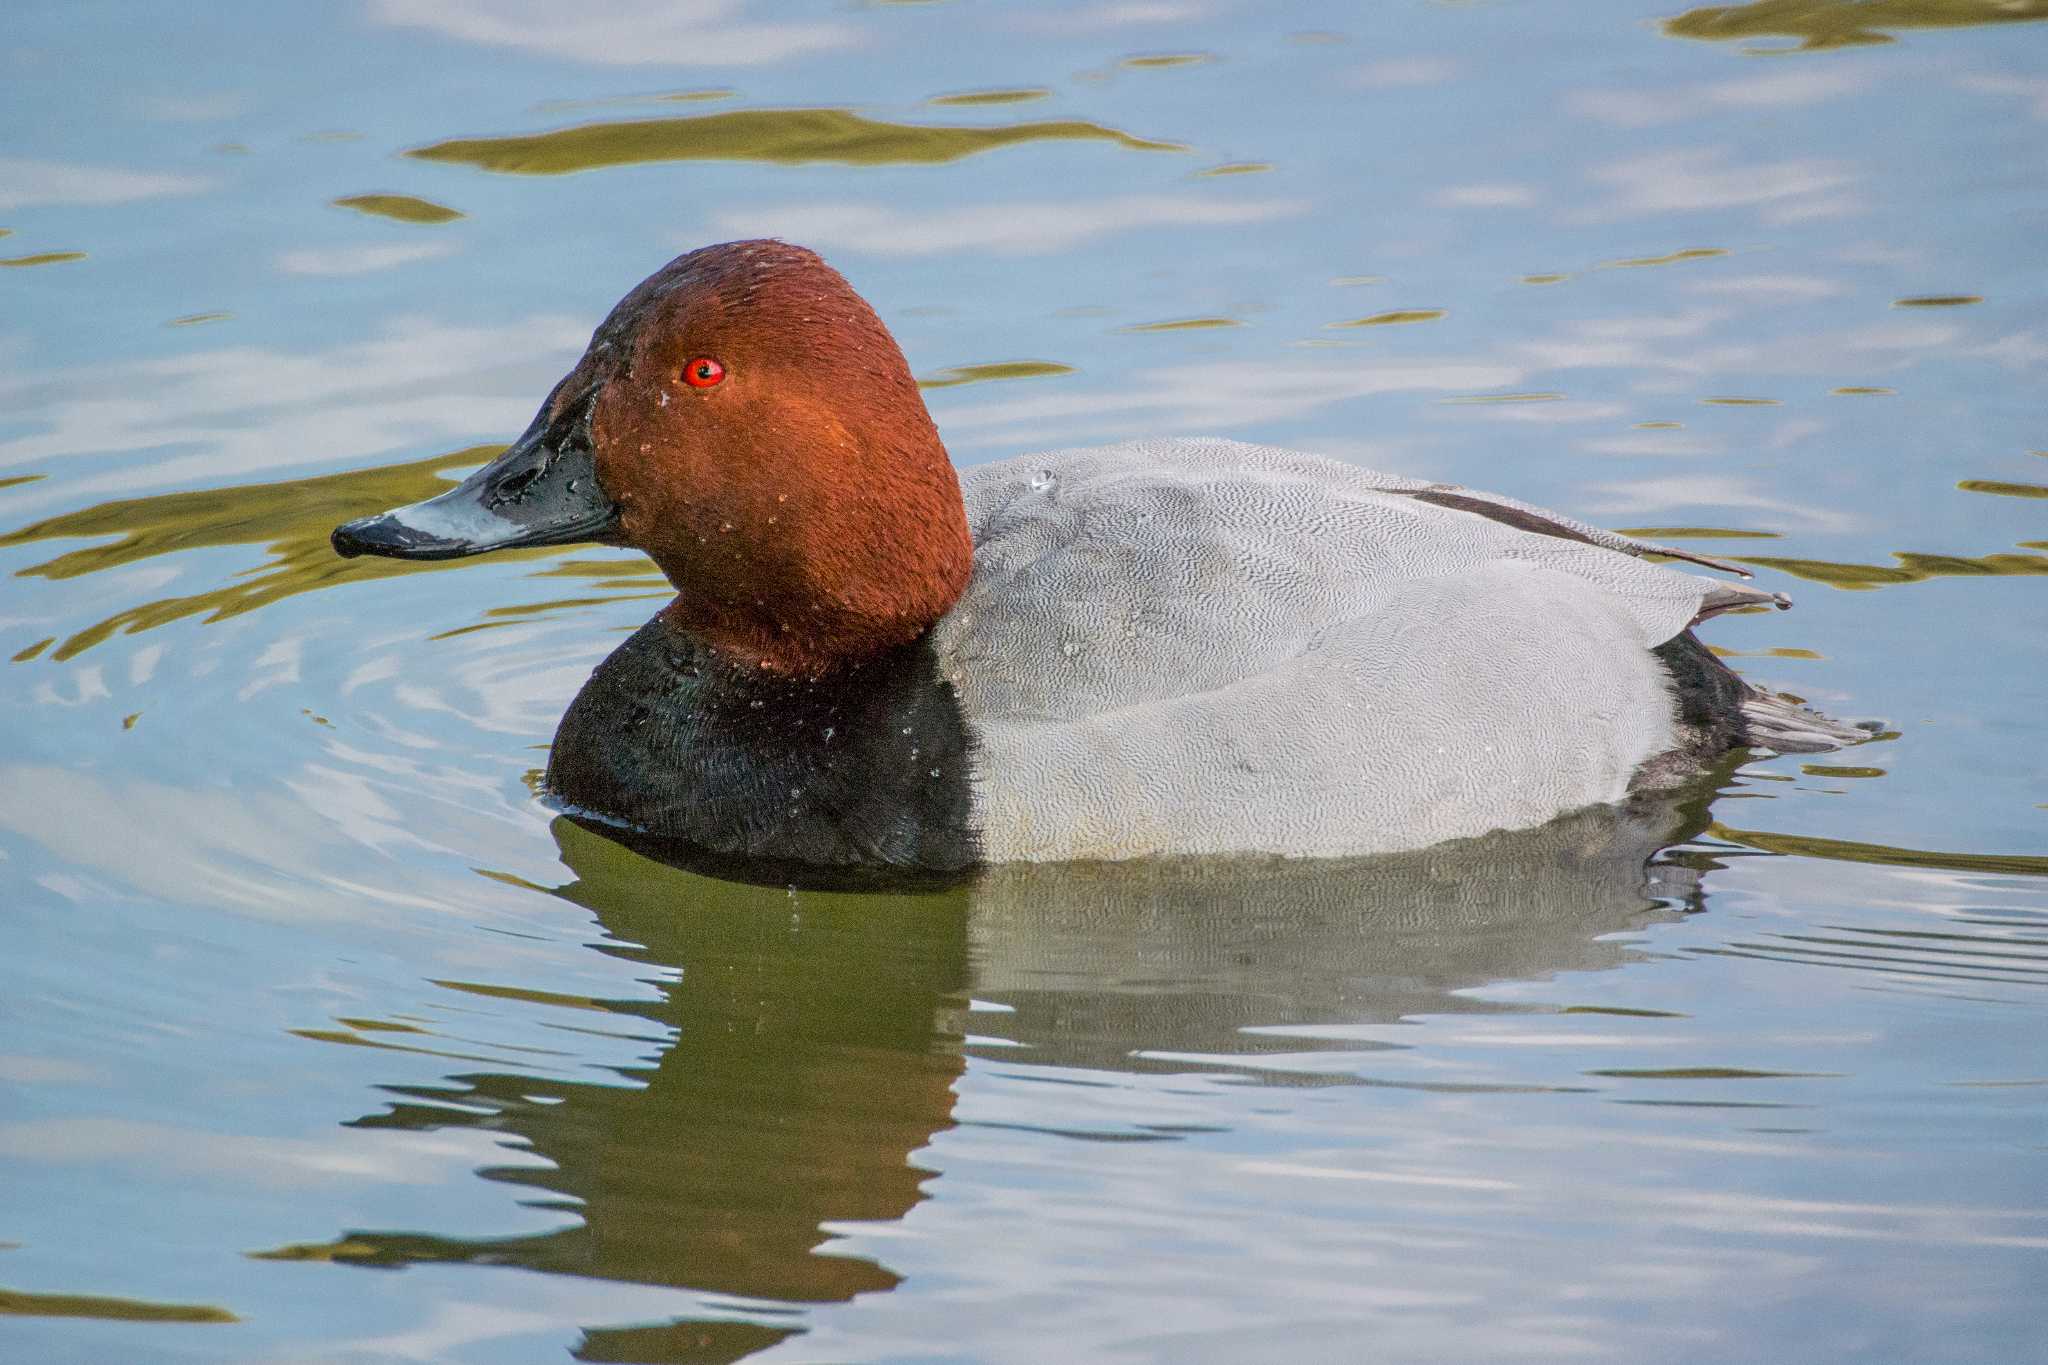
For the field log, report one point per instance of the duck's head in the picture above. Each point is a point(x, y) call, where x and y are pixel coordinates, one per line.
point(745, 419)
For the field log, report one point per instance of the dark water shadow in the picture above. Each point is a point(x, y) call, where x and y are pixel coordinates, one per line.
point(808, 1043)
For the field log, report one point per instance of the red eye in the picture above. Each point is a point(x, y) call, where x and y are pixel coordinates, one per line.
point(703, 372)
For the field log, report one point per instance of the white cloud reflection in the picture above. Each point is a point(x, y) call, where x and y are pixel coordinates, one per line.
point(1127, 14)
point(1709, 180)
point(212, 108)
point(1404, 72)
point(1486, 196)
point(1016, 228)
point(1634, 497)
point(280, 1162)
point(232, 410)
point(2032, 89)
point(359, 260)
point(2016, 351)
point(1226, 395)
point(1768, 286)
point(1681, 352)
point(622, 33)
point(37, 184)
point(1784, 88)
point(190, 845)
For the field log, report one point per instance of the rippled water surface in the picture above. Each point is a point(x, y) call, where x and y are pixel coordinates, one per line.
point(322, 1040)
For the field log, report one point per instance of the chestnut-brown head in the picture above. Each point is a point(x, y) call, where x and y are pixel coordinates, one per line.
point(745, 419)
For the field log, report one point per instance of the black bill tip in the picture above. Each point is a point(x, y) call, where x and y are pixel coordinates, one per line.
point(386, 535)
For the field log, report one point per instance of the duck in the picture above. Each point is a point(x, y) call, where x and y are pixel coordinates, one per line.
point(1163, 648)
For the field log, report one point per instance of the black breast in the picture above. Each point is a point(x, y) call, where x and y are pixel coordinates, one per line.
point(864, 769)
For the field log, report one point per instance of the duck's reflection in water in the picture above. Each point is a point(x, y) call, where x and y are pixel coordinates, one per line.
point(812, 1054)
point(817, 1035)
point(1105, 963)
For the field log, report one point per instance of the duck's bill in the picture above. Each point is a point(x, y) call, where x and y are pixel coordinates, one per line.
point(539, 492)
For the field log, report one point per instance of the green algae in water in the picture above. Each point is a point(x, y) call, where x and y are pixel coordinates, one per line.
point(1167, 60)
point(1884, 855)
point(955, 375)
point(1776, 652)
point(1911, 568)
point(1182, 325)
point(400, 208)
point(1393, 318)
point(1693, 253)
point(340, 1251)
point(2004, 490)
point(785, 137)
point(1704, 1073)
point(976, 98)
point(15, 1303)
point(1696, 532)
point(1623, 1012)
point(1845, 23)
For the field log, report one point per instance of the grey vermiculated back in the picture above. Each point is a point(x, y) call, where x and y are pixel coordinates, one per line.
point(1203, 646)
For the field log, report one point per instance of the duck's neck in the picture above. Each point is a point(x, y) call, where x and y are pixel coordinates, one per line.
point(866, 769)
point(814, 583)
point(791, 639)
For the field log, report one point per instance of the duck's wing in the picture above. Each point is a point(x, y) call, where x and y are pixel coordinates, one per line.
point(1541, 521)
point(1219, 647)
point(1113, 576)
point(1522, 516)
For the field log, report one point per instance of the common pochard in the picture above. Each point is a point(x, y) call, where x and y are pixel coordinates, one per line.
point(1158, 648)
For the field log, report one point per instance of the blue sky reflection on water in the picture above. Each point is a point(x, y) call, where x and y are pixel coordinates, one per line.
point(261, 999)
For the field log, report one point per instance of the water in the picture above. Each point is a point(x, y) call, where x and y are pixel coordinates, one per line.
point(304, 990)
